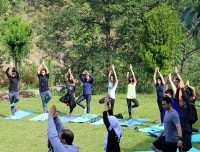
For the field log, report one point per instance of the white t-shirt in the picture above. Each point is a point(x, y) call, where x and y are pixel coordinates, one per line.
point(111, 89)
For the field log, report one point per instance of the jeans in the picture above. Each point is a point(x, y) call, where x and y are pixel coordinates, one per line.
point(14, 98)
point(46, 97)
point(81, 98)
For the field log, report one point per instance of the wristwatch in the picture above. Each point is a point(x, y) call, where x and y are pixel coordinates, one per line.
point(179, 138)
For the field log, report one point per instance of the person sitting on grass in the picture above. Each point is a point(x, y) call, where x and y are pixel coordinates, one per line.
point(114, 131)
point(60, 138)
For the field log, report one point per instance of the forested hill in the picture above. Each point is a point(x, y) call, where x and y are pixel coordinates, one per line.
point(93, 34)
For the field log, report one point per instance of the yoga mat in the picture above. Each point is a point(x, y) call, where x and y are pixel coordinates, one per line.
point(41, 117)
point(134, 122)
point(196, 138)
point(194, 150)
point(20, 114)
point(65, 119)
point(154, 134)
point(191, 150)
point(152, 129)
point(83, 118)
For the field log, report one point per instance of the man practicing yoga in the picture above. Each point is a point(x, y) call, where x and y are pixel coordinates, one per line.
point(60, 139)
point(173, 133)
point(13, 89)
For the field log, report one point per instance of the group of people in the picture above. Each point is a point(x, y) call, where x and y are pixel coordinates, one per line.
point(177, 113)
point(176, 106)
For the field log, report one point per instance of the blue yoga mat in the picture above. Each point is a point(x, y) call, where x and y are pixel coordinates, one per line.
point(194, 150)
point(20, 114)
point(196, 138)
point(134, 122)
point(154, 134)
point(83, 118)
point(41, 117)
point(191, 150)
point(65, 119)
point(152, 129)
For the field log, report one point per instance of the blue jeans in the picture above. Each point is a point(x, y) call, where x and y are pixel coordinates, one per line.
point(46, 97)
point(14, 98)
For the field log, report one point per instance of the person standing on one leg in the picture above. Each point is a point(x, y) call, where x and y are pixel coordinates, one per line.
point(112, 85)
point(69, 97)
point(43, 75)
point(159, 83)
point(172, 131)
point(87, 90)
point(13, 89)
point(131, 94)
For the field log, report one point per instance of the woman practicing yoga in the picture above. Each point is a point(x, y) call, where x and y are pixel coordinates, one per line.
point(69, 97)
point(131, 94)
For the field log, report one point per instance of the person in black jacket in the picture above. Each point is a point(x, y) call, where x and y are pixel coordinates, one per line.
point(43, 76)
point(13, 89)
point(114, 131)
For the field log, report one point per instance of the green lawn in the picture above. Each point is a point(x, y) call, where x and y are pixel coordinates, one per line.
point(25, 136)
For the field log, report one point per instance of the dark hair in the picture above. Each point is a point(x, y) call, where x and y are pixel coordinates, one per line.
point(68, 136)
point(114, 79)
point(184, 99)
point(129, 79)
point(68, 77)
point(43, 70)
point(177, 79)
point(157, 80)
point(167, 99)
point(169, 91)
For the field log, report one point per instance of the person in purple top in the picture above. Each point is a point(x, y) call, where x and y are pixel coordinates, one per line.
point(13, 89)
point(60, 139)
point(87, 90)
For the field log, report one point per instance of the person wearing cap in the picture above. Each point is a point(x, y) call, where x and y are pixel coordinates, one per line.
point(13, 89)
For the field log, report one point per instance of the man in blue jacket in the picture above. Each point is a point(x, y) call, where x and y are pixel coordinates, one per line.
point(61, 139)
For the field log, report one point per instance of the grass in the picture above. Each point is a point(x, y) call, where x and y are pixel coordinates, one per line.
point(24, 135)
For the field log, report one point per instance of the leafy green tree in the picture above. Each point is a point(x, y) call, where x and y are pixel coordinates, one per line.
point(16, 35)
point(161, 39)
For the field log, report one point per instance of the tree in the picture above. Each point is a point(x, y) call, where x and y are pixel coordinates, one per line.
point(161, 39)
point(16, 35)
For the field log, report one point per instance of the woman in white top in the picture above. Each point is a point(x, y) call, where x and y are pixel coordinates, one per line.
point(131, 94)
point(112, 85)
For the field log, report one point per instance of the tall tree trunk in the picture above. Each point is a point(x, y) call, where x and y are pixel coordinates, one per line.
point(108, 41)
point(16, 62)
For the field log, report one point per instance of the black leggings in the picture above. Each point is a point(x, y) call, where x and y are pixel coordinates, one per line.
point(136, 104)
point(69, 99)
point(112, 102)
point(81, 98)
point(159, 101)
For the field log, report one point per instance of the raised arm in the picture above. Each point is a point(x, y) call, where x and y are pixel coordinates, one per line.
point(131, 69)
point(161, 76)
point(113, 68)
point(192, 88)
point(109, 75)
point(17, 73)
point(40, 67)
point(105, 114)
point(172, 85)
point(154, 76)
point(54, 128)
point(47, 70)
point(127, 77)
point(178, 75)
point(7, 72)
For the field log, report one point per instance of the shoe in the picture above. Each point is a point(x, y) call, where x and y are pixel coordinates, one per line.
point(86, 117)
point(129, 120)
point(85, 110)
point(13, 117)
point(69, 116)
